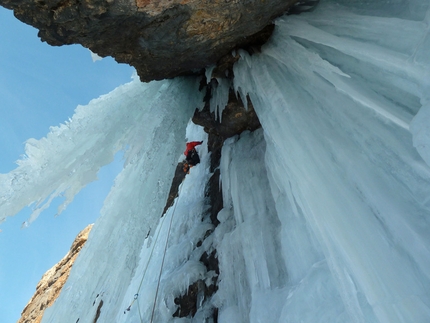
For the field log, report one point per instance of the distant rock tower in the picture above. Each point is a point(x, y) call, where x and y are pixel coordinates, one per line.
point(49, 287)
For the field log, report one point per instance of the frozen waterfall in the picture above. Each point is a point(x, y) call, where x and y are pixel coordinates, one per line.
point(326, 208)
point(343, 102)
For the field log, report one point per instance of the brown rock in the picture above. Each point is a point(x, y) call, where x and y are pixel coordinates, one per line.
point(49, 287)
point(160, 38)
point(235, 118)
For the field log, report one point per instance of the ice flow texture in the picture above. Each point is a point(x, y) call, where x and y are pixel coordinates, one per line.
point(326, 214)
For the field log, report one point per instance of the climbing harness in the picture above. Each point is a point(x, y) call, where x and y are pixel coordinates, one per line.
point(147, 264)
point(186, 168)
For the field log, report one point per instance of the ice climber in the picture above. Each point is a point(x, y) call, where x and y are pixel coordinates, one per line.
point(191, 156)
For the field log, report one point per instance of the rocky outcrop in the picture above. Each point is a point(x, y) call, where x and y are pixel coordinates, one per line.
point(49, 287)
point(160, 38)
point(235, 118)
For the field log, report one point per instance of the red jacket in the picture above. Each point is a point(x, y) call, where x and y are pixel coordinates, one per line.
point(191, 145)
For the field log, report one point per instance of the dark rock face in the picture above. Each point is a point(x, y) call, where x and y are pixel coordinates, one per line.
point(176, 181)
point(161, 39)
point(235, 120)
point(198, 292)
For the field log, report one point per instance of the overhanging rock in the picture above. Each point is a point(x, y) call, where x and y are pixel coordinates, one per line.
point(161, 39)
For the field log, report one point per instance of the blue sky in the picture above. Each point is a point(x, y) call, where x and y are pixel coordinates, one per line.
point(40, 86)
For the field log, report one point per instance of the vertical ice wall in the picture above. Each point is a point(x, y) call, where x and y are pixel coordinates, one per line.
point(337, 92)
point(179, 237)
point(252, 269)
point(138, 118)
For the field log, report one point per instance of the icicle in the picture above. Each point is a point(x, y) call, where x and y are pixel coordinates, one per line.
point(219, 99)
point(208, 73)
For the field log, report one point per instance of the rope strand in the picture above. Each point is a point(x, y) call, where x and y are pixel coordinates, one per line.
point(164, 256)
point(144, 272)
point(147, 265)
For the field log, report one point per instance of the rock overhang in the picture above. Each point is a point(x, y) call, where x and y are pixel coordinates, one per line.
point(161, 39)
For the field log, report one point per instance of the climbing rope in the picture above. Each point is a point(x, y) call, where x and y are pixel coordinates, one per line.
point(147, 264)
point(144, 272)
point(164, 255)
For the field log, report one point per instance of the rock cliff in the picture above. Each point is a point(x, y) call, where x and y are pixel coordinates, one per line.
point(160, 38)
point(49, 287)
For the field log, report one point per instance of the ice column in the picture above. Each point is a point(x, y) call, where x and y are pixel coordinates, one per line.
point(336, 91)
